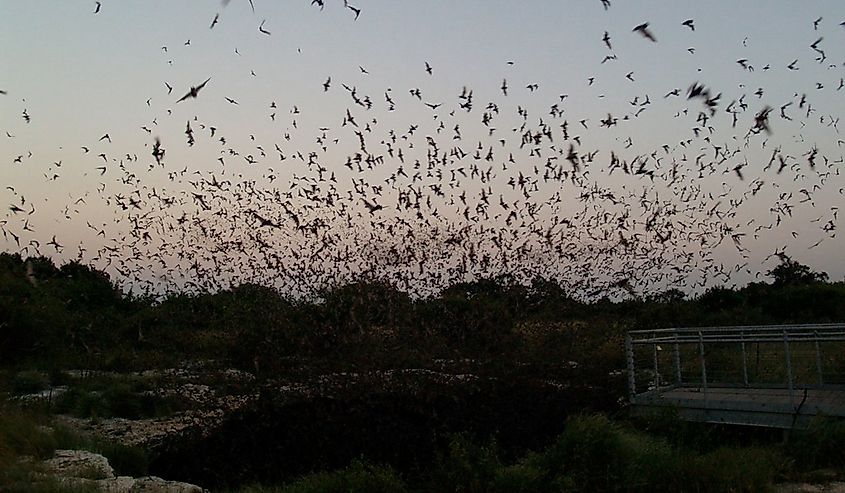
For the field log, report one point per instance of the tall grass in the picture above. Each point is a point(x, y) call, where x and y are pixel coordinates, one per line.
point(27, 436)
point(358, 477)
point(821, 445)
point(592, 454)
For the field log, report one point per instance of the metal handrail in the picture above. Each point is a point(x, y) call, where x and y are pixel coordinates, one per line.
point(739, 334)
point(738, 339)
point(746, 328)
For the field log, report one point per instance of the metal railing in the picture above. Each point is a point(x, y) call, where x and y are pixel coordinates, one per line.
point(770, 356)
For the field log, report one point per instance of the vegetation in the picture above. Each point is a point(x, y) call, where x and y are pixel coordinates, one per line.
point(72, 316)
point(102, 396)
point(592, 454)
point(59, 318)
point(28, 435)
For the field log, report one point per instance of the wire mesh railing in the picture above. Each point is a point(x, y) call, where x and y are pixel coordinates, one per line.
point(791, 357)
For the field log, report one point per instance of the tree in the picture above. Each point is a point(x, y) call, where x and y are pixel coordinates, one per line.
point(792, 273)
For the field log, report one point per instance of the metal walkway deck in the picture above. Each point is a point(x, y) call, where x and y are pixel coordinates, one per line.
point(774, 376)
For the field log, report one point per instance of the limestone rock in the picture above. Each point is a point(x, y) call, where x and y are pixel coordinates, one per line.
point(148, 484)
point(834, 487)
point(80, 464)
point(90, 470)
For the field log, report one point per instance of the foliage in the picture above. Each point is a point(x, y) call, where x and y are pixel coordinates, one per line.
point(592, 454)
point(107, 397)
point(358, 477)
point(29, 382)
point(821, 445)
point(466, 467)
point(790, 272)
point(73, 316)
point(27, 433)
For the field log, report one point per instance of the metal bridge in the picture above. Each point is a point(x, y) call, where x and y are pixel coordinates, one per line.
point(777, 376)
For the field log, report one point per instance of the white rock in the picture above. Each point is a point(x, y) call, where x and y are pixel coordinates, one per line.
point(153, 484)
point(120, 484)
point(80, 464)
point(834, 487)
point(148, 484)
point(126, 484)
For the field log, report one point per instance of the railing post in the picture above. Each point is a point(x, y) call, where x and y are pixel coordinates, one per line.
point(818, 358)
point(632, 380)
point(656, 367)
point(744, 360)
point(789, 380)
point(703, 366)
point(677, 351)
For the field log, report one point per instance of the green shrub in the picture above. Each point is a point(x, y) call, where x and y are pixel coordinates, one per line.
point(594, 453)
point(821, 445)
point(126, 460)
point(749, 469)
point(115, 398)
point(467, 467)
point(519, 478)
point(589, 451)
point(358, 477)
point(21, 435)
point(29, 382)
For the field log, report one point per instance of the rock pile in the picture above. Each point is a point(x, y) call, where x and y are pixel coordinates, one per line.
point(90, 470)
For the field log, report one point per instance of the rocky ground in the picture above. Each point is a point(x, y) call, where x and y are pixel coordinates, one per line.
point(832, 487)
point(79, 468)
point(377, 405)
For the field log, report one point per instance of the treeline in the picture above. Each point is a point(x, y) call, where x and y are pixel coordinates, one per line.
point(74, 316)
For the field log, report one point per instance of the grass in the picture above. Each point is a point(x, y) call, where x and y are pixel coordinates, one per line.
point(22, 481)
point(121, 397)
point(822, 445)
point(28, 433)
point(592, 454)
point(358, 477)
point(29, 382)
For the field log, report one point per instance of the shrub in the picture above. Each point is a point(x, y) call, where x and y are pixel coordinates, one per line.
point(358, 477)
point(21, 435)
point(747, 469)
point(821, 445)
point(467, 467)
point(29, 382)
point(594, 453)
point(115, 398)
point(519, 478)
point(125, 460)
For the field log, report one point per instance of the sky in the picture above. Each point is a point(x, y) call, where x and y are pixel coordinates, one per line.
point(78, 75)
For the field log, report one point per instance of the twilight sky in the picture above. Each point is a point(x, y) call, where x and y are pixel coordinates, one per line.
point(681, 216)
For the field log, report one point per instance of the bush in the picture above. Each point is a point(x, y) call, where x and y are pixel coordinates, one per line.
point(747, 469)
point(122, 399)
point(519, 478)
point(466, 467)
point(29, 382)
point(596, 453)
point(21, 434)
point(821, 445)
point(358, 477)
point(126, 460)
